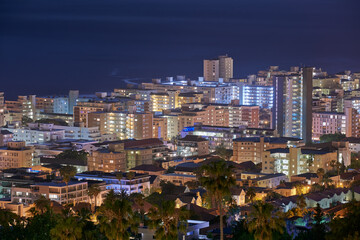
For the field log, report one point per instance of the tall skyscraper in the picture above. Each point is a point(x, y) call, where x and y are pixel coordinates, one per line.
point(222, 67)
point(292, 111)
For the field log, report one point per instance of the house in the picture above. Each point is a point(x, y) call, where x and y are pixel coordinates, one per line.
point(313, 199)
point(238, 195)
point(286, 203)
point(356, 191)
point(328, 197)
point(270, 180)
point(308, 178)
point(286, 189)
point(188, 198)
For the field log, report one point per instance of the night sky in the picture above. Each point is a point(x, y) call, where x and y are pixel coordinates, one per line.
point(51, 46)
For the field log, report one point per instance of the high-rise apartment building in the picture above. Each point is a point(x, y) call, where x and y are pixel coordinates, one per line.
point(73, 96)
point(262, 96)
point(140, 125)
point(123, 124)
point(211, 70)
point(226, 67)
point(292, 111)
point(2, 109)
point(222, 67)
point(160, 128)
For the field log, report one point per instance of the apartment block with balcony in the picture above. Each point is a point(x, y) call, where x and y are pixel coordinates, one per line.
point(252, 148)
point(258, 95)
point(16, 155)
point(36, 133)
point(328, 123)
point(137, 183)
point(54, 191)
point(192, 145)
point(110, 159)
point(159, 102)
point(25, 105)
point(160, 129)
point(293, 161)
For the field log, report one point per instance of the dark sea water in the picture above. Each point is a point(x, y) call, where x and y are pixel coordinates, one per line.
point(51, 46)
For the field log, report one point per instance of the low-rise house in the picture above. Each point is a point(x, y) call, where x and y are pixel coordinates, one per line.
point(238, 195)
point(286, 203)
point(328, 197)
point(286, 189)
point(313, 199)
point(262, 179)
point(356, 191)
point(188, 198)
point(187, 168)
point(308, 178)
point(270, 180)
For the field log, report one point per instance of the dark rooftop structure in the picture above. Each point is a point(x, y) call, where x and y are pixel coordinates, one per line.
point(148, 168)
point(193, 138)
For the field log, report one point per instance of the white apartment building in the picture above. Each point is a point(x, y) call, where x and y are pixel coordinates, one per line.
point(85, 133)
point(36, 133)
point(226, 94)
point(140, 183)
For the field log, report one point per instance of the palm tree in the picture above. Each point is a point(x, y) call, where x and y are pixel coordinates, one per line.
point(68, 228)
point(42, 204)
point(320, 172)
point(251, 194)
point(168, 220)
point(301, 202)
point(120, 176)
point(336, 165)
point(116, 217)
point(130, 176)
point(7, 218)
point(327, 181)
point(217, 178)
point(93, 192)
point(222, 152)
point(262, 221)
point(67, 172)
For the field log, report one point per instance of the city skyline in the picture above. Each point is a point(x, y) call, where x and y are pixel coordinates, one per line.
point(76, 44)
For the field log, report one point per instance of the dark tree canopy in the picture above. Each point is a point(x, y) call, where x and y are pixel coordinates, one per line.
point(332, 137)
